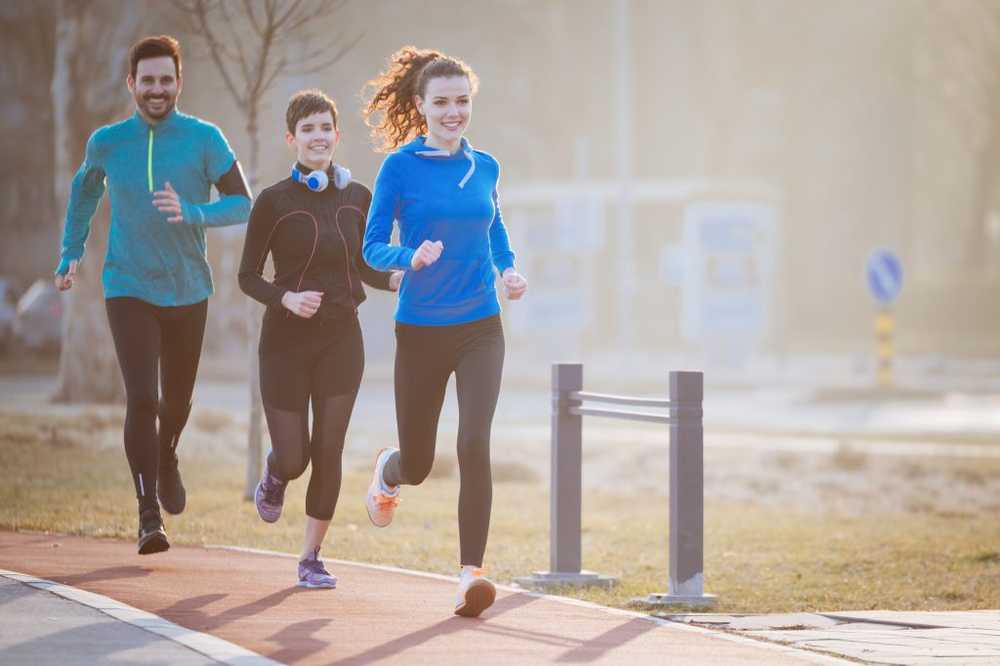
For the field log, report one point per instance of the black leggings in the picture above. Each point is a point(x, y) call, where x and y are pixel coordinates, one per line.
point(425, 358)
point(310, 360)
point(155, 345)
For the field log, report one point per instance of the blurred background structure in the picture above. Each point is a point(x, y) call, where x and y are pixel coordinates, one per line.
point(685, 184)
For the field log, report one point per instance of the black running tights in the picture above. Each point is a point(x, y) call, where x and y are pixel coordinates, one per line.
point(303, 361)
point(426, 356)
point(158, 349)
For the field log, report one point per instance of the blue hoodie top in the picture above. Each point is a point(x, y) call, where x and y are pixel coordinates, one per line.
point(437, 196)
point(160, 262)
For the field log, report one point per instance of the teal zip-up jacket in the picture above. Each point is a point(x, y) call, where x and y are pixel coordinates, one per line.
point(160, 262)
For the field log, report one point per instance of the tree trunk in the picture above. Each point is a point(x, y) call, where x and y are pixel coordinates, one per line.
point(27, 31)
point(84, 97)
point(255, 434)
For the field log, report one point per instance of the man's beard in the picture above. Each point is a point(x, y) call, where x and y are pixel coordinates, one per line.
point(144, 104)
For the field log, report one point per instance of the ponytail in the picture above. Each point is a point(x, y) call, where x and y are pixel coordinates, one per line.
point(390, 110)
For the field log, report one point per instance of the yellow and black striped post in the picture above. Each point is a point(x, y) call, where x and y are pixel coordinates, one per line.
point(885, 324)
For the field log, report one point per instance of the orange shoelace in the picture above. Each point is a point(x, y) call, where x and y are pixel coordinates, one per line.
point(386, 501)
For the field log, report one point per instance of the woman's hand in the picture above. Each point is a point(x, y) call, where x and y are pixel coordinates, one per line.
point(302, 303)
point(514, 284)
point(426, 254)
point(64, 282)
point(395, 277)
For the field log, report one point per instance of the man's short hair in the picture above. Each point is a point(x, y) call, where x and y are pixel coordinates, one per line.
point(304, 103)
point(155, 46)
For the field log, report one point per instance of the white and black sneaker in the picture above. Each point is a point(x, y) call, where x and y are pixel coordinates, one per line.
point(152, 536)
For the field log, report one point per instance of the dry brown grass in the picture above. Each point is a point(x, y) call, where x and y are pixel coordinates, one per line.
point(758, 557)
point(212, 420)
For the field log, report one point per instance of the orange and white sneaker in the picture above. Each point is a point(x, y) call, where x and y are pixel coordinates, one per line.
point(382, 500)
point(476, 593)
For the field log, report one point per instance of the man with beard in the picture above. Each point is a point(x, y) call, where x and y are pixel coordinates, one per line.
point(159, 165)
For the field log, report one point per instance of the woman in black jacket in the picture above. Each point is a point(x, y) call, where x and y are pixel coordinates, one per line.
point(311, 349)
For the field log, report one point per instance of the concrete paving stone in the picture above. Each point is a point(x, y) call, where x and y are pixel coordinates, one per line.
point(40, 628)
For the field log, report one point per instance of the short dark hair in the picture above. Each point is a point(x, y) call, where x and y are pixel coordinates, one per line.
point(155, 46)
point(304, 103)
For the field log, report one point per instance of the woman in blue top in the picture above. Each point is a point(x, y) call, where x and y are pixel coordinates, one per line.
point(443, 195)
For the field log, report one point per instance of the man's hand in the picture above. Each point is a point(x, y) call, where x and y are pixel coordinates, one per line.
point(395, 277)
point(167, 201)
point(514, 284)
point(426, 254)
point(302, 303)
point(64, 282)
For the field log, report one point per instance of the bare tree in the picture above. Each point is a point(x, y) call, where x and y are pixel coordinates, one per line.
point(28, 32)
point(252, 44)
point(88, 90)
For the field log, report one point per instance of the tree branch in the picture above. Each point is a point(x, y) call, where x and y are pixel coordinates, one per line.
point(329, 62)
point(215, 50)
point(251, 15)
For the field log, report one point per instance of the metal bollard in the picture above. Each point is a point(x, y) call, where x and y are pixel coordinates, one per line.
point(686, 581)
point(566, 498)
point(686, 570)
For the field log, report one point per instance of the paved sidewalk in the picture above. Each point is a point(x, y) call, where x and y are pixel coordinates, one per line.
point(41, 628)
point(376, 616)
point(879, 637)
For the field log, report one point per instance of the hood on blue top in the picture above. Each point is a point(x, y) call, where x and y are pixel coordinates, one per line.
point(419, 148)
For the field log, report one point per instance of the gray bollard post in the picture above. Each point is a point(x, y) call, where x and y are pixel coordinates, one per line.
point(687, 516)
point(566, 499)
point(566, 465)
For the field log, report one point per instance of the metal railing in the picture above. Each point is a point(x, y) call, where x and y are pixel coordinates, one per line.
point(684, 418)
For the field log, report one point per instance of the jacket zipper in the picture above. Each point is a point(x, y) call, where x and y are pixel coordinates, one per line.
point(149, 160)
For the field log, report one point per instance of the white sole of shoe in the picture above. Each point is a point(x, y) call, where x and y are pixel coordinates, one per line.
point(314, 586)
point(480, 596)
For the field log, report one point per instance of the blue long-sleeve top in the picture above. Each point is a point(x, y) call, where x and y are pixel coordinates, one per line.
point(437, 196)
point(148, 257)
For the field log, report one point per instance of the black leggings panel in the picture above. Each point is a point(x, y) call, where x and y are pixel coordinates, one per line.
point(158, 350)
point(425, 358)
point(302, 362)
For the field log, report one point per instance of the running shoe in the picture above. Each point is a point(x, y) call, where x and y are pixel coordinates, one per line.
point(475, 593)
point(314, 575)
point(169, 487)
point(152, 536)
point(269, 496)
point(381, 501)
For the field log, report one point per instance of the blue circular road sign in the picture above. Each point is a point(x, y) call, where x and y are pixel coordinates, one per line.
point(885, 276)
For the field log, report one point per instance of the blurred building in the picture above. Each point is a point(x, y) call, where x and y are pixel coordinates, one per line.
point(847, 127)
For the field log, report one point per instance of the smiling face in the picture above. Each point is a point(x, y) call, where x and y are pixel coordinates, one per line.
point(447, 107)
point(155, 87)
point(314, 140)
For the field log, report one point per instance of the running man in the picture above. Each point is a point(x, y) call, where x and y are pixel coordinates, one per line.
point(159, 165)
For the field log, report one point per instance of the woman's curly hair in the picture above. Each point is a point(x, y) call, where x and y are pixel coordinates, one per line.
point(390, 110)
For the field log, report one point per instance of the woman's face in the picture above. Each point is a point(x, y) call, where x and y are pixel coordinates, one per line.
point(314, 140)
point(447, 106)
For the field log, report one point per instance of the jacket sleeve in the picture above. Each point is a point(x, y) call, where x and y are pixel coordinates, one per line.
point(503, 257)
point(370, 276)
point(384, 209)
point(256, 246)
point(86, 191)
point(230, 209)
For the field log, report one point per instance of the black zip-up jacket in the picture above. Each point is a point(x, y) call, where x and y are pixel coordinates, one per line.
point(315, 241)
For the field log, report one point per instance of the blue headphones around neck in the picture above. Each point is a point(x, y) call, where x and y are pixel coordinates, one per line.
point(318, 180)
